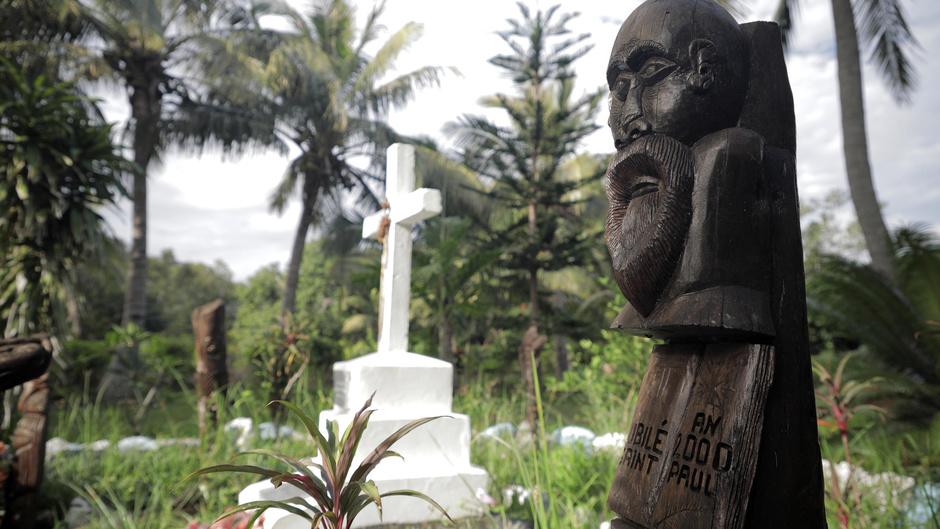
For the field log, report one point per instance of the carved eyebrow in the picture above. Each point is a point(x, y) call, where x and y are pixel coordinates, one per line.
point(641, 50)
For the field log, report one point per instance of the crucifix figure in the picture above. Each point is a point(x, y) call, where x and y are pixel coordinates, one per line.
point(406, 206)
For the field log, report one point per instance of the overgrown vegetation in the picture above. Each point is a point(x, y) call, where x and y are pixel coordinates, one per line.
point(516, 248)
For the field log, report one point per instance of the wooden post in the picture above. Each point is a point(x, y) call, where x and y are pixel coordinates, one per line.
point(23, 359)
point(26, 360)
point(211, 370)
point(703, 231)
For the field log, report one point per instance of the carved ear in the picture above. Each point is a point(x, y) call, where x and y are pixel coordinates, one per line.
point(704, 61)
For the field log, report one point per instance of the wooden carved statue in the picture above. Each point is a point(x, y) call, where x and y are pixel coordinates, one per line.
point(26, 361)
point(703, 232)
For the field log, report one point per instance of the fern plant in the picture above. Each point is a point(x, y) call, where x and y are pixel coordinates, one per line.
point(336, 493)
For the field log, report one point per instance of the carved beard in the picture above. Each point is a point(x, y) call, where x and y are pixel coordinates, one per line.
point(649, 187)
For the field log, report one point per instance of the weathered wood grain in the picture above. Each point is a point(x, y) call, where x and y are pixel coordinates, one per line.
point(211, 370)
point(23, 359)
point(684, 69)
point(692, 449)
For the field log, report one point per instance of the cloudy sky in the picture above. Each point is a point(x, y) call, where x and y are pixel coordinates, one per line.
point(208, 208)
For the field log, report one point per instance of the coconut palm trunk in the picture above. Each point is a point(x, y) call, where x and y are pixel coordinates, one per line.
point(296, 258)
point(145, 113)
point(855, 141)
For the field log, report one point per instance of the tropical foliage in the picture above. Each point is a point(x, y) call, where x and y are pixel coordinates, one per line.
point(515, 249)
point(328, 98)
point(882, 28)
point(60, 168)
point(150, 48)
point(536, 231)
point(896, 325)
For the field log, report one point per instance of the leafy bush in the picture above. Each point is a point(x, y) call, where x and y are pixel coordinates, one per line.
point(896, 324)
point(84, 364)
point(58, 170)
point(173, 354)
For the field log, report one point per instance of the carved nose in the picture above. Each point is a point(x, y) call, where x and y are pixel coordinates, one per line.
point(638, 128)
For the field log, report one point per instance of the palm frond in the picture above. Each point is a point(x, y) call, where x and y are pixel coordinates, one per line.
point(385, 57)
point(402, 89)
point(884, 29)
point(462, 192)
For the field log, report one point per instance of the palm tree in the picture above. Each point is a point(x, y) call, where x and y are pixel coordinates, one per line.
point(329, 102)
point(885, 32)
point(150, 48)
point(546, 124)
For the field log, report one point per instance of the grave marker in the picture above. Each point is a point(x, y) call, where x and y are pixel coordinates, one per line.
point(703, 232)
point(407, 386)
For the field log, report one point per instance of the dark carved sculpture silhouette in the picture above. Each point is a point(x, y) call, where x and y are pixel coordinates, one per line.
point(703, 233)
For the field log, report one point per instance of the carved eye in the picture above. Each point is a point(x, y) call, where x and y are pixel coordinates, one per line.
point(643, 185)
point(656, 68)
point(619, 79)
point(621, 87)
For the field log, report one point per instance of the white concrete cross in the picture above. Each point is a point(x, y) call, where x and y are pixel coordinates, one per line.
point(406, 207)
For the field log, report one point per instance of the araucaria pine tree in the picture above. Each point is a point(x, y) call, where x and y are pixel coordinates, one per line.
point(546, 122)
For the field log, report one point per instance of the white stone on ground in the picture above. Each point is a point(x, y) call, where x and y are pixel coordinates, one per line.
point(99, 445)
point(268, 431)
point(138, 443)
point(499, 431)
point(242, 428)
point(185, 441)
point(79, 513)
point(573, 435)
point(889, 489)
point(57, 445)
point(609, 442)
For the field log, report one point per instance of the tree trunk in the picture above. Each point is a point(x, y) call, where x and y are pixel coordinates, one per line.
point(145, 112)
point(855, 141)
point(529, 351)
point(296, 258)
point(445, 340)
point(145, 102)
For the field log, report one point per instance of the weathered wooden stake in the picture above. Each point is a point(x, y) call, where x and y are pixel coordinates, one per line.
point(211, 370)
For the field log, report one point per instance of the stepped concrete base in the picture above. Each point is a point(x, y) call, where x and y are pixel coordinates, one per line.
point(436, 455)
point(455, 491)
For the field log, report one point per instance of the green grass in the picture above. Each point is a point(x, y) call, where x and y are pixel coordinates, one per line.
point(143, 490)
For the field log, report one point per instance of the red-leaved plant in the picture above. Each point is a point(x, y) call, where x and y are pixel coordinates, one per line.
point(837, 404)
point(336, 495)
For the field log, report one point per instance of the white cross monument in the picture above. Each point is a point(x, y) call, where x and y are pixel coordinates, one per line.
point(407, 386)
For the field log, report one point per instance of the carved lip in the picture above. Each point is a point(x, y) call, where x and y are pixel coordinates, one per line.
point(633, 171)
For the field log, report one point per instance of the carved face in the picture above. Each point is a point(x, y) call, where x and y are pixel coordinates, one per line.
point(678, 68)
point(677, 72)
